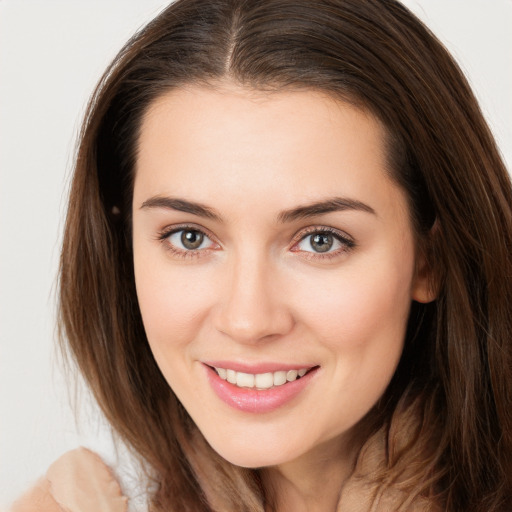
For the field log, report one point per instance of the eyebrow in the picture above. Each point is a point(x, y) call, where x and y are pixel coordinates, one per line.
point(181, 205)
point(334, 204)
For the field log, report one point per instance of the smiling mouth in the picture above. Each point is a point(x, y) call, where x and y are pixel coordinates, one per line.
point(261, 381)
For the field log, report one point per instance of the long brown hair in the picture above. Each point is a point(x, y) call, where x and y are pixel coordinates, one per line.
point(457, 360)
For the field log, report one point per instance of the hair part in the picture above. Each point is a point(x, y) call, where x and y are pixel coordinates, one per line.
point(457, 359)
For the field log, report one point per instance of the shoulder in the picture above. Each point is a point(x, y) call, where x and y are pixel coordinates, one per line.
point(79, 481)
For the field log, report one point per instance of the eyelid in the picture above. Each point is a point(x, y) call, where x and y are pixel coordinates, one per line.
point(167, 231)
point(341, 235)
point(344, 238)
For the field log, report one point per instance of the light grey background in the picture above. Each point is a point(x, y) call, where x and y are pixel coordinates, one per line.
point(51, 55)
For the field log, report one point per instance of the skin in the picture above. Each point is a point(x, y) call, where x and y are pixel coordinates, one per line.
point(256, 290)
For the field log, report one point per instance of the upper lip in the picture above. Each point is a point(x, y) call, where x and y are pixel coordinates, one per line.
point(255, 368)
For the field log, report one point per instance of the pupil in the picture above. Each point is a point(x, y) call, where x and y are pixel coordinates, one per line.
point(321, 242)
point(191, 239)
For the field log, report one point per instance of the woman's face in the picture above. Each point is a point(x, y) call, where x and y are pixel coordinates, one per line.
point(270, 241)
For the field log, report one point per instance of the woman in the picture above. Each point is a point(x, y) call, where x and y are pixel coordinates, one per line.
point(286, 265)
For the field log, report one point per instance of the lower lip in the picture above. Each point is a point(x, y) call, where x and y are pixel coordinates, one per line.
point(255, 400)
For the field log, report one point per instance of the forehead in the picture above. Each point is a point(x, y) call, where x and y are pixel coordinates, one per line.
point(235, 112)
point(235, 142)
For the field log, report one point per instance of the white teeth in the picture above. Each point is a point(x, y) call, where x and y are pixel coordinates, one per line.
point(279, 378)
point(291, 375)
point(260, 380)
point(244, 380)
point(264, 380)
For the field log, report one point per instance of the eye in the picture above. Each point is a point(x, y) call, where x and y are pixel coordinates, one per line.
point(323, 241)
point(187, 240)
point(318, 242)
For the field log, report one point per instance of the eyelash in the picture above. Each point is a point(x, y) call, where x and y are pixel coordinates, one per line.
point(347, 243)
point(163, 237)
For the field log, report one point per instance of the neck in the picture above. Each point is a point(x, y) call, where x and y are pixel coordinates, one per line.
point(312, 483)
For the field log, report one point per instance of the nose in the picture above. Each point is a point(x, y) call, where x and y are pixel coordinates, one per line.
point(252, 307)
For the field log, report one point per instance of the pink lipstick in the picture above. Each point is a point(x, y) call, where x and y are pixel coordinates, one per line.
point(289, 380)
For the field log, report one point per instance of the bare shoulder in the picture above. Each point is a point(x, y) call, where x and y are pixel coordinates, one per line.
point(79, 481)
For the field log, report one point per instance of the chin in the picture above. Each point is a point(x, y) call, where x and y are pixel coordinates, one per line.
point(252, 460)
point(248, 454)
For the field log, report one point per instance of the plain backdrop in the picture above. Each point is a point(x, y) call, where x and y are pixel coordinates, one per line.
point(51, 55)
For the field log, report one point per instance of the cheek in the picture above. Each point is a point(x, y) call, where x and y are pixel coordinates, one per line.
point(173, 302)
point(360, 316)
point(360, 320)
point(354, 307)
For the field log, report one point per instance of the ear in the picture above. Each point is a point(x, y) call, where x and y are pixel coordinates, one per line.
point(425, 283)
